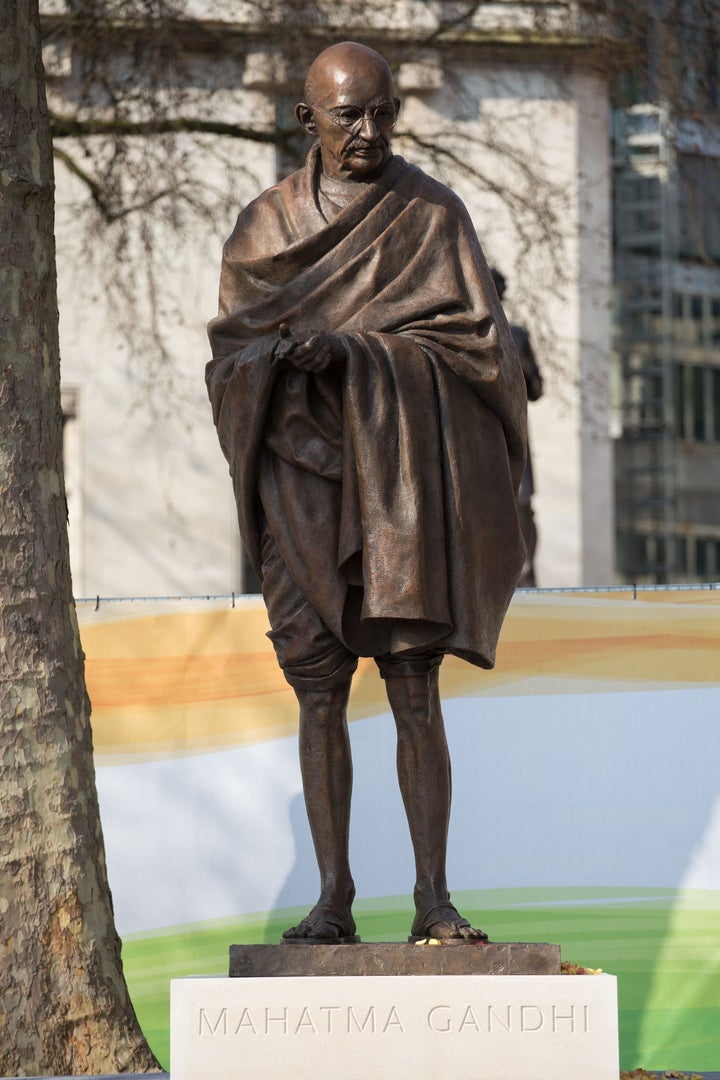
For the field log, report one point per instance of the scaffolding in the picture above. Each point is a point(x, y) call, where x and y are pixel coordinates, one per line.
point(645, 241)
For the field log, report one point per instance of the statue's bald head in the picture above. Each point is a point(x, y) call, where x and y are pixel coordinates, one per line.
point(340, 64)
point(350, 109)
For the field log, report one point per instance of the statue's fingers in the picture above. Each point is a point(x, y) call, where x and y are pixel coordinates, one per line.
point(307, 349)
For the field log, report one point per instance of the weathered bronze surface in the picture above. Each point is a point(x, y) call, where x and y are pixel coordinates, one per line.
point(386, 958)
point(369, 400)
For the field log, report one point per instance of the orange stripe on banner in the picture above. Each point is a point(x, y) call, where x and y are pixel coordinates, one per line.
point(181, 680)
point(663, 657)
point(175, 680)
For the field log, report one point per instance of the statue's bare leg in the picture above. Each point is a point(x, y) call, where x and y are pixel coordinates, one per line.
point(326, 767)
point(423, 764)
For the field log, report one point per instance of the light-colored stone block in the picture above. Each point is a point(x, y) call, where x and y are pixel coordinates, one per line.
point(458, 1027)
point(265, 68)
point(422, 76)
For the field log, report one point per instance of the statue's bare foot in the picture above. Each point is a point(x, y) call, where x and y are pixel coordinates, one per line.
point(443, 922)
point(325, 925)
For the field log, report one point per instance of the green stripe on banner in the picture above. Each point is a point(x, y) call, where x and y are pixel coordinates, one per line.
point(663, 945)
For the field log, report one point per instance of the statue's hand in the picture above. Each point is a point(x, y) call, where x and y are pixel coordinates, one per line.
point(284, 346)
point(317, 351)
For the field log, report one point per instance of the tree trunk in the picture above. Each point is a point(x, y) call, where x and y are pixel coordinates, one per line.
point(64, 1004)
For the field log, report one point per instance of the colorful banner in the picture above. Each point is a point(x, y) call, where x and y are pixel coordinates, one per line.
point(586, 797)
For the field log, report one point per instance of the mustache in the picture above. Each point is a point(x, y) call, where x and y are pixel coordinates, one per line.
point(360, 140)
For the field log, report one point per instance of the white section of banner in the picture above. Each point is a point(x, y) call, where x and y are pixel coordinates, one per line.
point(591, 790)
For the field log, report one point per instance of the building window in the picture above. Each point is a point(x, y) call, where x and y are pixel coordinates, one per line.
point(697, 402)
point(643, 556)
point(715, 321)
point(681, 555)
point(679, 397)
point(707, 558)
point(697, 375)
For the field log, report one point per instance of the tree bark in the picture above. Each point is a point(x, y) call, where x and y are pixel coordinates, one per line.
point(64, 1003)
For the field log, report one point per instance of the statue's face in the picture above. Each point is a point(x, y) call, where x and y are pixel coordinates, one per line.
point(352, 112)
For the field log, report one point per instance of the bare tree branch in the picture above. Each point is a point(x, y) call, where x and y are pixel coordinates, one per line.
point(74, 127)
point(154, 95)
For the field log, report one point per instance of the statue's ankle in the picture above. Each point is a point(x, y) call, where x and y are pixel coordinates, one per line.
point(338, 894)
point(428, 893)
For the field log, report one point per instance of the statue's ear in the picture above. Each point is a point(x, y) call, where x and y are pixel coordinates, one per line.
point(306, 118)
point(397, 103)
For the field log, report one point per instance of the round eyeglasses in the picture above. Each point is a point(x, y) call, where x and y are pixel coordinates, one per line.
point(351, 117)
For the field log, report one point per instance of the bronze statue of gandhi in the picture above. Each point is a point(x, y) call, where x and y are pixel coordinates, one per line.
point(370, 403)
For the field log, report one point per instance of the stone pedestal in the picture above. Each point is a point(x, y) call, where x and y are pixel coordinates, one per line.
point(436, 1021)
point(390, 958)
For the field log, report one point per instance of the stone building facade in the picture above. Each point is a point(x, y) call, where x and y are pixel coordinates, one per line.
point(509, 108)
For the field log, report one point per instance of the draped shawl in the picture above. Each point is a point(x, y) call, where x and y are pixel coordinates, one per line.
point(388, 482)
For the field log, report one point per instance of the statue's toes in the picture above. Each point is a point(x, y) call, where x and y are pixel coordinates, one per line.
point(444, 923)
point(469, 933)
point(298, 931)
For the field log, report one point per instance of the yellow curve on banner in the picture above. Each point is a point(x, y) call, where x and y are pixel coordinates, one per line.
point(188, 677)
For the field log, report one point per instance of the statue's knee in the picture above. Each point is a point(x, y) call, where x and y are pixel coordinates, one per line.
point(320, 709)
point(415, 704)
